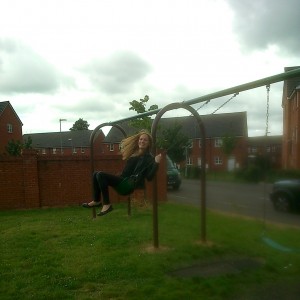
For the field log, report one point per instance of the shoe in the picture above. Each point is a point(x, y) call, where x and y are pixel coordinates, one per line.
point(86, 205)
point(102, 213)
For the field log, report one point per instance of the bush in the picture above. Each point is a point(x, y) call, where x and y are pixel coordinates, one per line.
point(252, 174)
point(193, 172)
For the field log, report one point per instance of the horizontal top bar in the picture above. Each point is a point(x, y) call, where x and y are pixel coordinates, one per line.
point(229, 91)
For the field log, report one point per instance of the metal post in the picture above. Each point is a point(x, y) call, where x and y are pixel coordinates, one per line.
point(203, 177)
point(60, 120)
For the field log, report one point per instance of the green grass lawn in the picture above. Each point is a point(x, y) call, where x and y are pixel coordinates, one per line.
point(63, 253)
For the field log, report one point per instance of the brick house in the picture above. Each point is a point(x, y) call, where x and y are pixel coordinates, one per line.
point(10, 125)
point(66, 142)
point(270, 147)
point(291, 122)
point(217, 126)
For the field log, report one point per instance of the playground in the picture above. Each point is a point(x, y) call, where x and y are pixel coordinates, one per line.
point(65, 254)
point(159, 251)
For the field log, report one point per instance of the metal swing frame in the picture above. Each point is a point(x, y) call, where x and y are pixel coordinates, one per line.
point(233, 90)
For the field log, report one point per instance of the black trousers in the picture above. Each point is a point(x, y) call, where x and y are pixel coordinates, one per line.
point(101, 182)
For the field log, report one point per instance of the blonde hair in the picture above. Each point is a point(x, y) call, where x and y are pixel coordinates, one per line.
point(130, 146)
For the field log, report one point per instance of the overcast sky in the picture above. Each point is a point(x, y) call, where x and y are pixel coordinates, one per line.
point(88, 59)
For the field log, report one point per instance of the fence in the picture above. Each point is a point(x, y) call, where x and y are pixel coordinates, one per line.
point(34, 181)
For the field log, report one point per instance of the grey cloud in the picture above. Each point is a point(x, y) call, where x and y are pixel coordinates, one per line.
point(118, 73)
point(262, 23)
point(24, 71)
point(84, 106)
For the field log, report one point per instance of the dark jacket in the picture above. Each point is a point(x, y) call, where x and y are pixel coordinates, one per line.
point(144, 167)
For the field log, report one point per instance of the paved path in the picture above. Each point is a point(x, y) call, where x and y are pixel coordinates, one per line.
point(250, 200)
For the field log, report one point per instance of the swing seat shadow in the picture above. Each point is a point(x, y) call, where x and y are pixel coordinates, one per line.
point(235, 266)
point(220, 267)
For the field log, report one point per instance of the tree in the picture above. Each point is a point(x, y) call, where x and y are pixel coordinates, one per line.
point(14, 148)
point(80, 124)
point(170, 139)
point(174, 142)
point(140, 107)
point(228, 144)
point(27, 143)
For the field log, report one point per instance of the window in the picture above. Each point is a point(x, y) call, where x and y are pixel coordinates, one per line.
point(189, 161)
point(74, 150)
point(82, 150)
point(111, 147)
point(9, 128)
point(218, 143)
point(54, 150)
point(199, 161)
point(254, 150)
point(218, 160)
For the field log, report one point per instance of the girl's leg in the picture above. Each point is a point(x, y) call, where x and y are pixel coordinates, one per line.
point(96, 188)
point(101, 181)
point(96, 193)
point(105, 180)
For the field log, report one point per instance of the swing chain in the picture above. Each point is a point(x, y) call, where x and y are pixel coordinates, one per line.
point(265, 146)
point(268, 108)
point(206, 102)
point(233, 96)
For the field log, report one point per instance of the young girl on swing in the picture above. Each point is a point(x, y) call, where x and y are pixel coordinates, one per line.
point(139, 161)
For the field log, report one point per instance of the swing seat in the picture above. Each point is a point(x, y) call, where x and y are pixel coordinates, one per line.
point(126, 186)
point(278, 246)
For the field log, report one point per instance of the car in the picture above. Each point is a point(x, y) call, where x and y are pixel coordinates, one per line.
point(285, 195)
point(173, 175)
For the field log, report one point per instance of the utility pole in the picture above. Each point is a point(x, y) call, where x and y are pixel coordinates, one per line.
point(60, 120)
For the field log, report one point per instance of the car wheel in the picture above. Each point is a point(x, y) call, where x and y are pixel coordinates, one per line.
point(282, 203)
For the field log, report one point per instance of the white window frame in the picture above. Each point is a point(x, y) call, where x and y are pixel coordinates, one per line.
point(218, 160)
point(218, 142)
point(9, 128)
point(199, 161)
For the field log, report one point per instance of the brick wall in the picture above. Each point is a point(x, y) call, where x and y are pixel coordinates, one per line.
point(11, 183)
point(39, 181)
